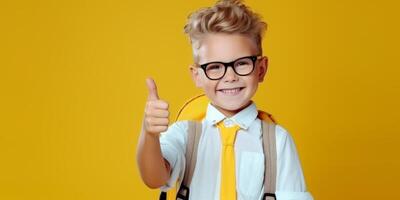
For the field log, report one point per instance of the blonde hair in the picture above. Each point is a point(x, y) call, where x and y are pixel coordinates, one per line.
point(226, 16)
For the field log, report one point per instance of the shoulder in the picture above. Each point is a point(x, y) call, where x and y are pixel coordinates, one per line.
point(284, 139)
point(181, 125)
point(177, 131)
point(281, 132)
point(177, 126)
point(176, 136)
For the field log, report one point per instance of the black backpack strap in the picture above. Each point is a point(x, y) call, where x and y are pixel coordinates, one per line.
point(270, 172)
point(194, 133)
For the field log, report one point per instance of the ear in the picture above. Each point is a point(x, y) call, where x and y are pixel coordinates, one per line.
point(195, 75)
point(262, 68)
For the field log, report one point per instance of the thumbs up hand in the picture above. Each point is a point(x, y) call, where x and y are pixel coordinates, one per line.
point(156, 111)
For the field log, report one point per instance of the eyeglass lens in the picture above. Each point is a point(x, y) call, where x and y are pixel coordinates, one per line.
point(241, 67)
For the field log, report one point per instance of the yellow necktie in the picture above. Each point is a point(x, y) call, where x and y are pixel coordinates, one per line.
point(228, 176)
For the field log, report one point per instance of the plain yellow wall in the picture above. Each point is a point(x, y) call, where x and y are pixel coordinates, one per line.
point(73, 91)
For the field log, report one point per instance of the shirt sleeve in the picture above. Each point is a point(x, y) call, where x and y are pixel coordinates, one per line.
point(290, 184)
point(173, 147)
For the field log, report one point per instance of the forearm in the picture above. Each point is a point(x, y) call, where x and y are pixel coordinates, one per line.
point(154, 169)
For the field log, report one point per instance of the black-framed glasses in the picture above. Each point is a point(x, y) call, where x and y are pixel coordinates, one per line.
point(242, 66)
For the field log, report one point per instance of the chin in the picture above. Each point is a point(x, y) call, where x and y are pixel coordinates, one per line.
point(232, 107)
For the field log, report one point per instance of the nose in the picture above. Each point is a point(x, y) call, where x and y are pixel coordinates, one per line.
point(230, 75)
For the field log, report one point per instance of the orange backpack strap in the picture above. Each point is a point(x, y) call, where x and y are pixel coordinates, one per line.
point(270, 154)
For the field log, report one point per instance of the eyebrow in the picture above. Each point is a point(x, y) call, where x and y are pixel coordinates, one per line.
point(227, 61)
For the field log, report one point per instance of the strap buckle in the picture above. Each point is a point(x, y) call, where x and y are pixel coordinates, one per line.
point(163, 196)
point(183, 193)
point(269, 196)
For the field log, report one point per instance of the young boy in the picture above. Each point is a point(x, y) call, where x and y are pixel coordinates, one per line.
point(227, 33)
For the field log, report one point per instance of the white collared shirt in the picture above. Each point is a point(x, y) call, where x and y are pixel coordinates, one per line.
point(290, 184)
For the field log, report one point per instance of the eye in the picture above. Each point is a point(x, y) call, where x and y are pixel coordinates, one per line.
point(214, 67)
point(242, 63)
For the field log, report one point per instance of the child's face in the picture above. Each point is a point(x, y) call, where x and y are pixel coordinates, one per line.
point(227, 48)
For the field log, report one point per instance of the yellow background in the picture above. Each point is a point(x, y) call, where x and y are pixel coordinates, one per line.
point(73, 91)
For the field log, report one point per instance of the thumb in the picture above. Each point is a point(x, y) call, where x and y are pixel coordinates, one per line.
point(151, 85)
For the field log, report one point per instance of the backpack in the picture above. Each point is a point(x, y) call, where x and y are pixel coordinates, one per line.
point(194, 111)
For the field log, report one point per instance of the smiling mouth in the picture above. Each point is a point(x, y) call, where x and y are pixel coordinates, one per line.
point(231, 91)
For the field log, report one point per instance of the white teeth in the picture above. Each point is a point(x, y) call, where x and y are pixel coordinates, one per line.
point(231, 91)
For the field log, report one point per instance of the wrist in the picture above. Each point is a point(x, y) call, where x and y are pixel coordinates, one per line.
point(151, 135)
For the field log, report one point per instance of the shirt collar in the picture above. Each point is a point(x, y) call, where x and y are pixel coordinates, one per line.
point(244, 118)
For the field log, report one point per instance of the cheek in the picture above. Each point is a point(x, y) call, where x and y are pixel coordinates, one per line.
point(209, 86)
point(253, 84)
